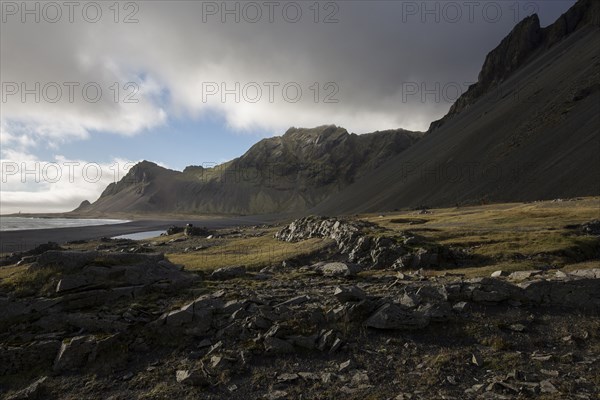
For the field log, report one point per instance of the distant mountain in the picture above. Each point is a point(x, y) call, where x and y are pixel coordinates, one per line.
point(528, 130)
point(290, 173)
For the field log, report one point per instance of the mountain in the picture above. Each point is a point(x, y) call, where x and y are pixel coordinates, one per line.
point(526, 41)
point(290, 173)
point(528, 130)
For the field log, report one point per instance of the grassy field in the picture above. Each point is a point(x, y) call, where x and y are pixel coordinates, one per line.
point(511, 232)
point(517, 236)
point(253, 252)
point(510, 237)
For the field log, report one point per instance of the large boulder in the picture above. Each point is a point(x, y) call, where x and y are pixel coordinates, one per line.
point(41, 354)
point(384, 252)
point(582, 294)
point(173, 230)
point(593, 273)
point(344, 232)
point(226, 273)
point(340, 269)
point(191, 230)
point(421, 258)
point(198, 314)
point(395, 316)
point(103, 353)
point(75, 353)
point(349, 294)
point(483, 290)
point(361, 250)
point(591, 228)
point(27, 256)
point(66, 261)
point(313, 226)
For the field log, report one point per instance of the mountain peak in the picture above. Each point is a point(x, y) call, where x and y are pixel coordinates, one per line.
point(512, 51)
point(147, 168)
point(320, 133)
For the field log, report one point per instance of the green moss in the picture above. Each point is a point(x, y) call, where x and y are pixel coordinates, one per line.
point(25, 283)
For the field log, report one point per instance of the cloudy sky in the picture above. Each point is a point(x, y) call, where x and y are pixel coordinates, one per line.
point(89, 88)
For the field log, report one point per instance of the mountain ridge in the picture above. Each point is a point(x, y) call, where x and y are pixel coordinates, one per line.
point(287, 173)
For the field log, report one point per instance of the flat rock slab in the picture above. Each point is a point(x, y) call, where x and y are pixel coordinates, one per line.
point(226, 273)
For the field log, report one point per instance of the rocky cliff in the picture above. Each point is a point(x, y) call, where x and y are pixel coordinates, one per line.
point(525, 41)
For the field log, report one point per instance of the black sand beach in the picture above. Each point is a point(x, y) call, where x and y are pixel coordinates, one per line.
point(17, 241)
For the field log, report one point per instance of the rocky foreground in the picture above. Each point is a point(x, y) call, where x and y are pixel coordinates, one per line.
point(360, 323)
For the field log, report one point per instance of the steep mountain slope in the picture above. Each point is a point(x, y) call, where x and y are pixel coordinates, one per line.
point(290, 173)
point(526, 41)
point(529, 130)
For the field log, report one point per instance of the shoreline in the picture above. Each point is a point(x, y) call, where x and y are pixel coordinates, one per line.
point(121, 216)
point(23, 240)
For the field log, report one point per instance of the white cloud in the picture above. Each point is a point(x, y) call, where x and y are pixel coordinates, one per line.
point(31, 185)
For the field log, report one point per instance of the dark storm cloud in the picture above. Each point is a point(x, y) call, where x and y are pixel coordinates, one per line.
point(369, 56)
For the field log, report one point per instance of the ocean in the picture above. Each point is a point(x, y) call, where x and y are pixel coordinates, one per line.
point(23, 223)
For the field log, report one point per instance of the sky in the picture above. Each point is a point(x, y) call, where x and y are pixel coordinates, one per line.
point(91, 88)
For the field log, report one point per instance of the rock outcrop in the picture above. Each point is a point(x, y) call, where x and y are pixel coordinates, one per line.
point(76, 285)
point(28, 256)
point(372, 250)
point(82, 271)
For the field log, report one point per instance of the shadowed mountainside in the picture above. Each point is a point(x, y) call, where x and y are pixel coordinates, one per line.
point(528, 131)
point(526, 41)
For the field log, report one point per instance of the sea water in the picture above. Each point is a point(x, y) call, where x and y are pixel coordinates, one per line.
point(141, 235)
point(24, 223)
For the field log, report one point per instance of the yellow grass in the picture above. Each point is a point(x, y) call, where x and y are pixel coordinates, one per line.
point(504, 229)
point(496, 233)
point(6, 272)
point(254, 253)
